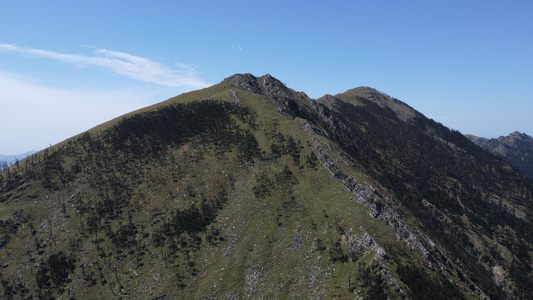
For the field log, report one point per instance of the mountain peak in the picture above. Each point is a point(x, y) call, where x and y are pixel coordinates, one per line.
point(519, 136)
point(516, 148)
point(266, 84)
point(205, 197)
point(275, 88)
point(246, 81)
point(403, 111)
point(286, 100)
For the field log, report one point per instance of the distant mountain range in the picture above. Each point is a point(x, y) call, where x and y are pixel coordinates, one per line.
point(516, 148)
point(8, 160)
point(251, 190)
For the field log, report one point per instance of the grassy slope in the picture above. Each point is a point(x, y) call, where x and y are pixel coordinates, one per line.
point(286, 227)
point(461, 196)
point(269, 244)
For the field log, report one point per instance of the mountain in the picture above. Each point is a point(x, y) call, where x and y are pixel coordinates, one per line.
point(249, 189)
point(516, 148)
point(8, 160)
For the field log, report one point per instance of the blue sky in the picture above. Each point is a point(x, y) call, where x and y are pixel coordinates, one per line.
point(66, 66)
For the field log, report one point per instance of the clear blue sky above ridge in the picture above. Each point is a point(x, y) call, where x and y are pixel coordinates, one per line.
point(66, 66)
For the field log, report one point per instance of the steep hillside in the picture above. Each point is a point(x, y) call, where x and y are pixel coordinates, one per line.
point(249, 189)
point(516, 148)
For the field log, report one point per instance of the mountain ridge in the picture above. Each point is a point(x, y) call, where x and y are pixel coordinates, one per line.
point(516, 148)
point(249, 189)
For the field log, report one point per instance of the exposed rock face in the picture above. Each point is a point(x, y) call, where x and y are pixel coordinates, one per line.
point(274, 91)
point(275, 88)
point(358, 246)
point(233, 94)
point(246, 82)
point(381, 207)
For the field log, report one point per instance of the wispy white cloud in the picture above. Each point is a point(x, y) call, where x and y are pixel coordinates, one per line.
point(35, 115)
point(236, 47)
point(125, 64)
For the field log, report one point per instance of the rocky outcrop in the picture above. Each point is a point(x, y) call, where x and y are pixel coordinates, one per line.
point(285, 100)
point(358, 246)
point(233, 94)
point(516, 149)
point(247, 82)
point(382, 208)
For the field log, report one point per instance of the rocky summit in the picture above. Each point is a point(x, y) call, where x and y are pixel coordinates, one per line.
point(251, 190)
